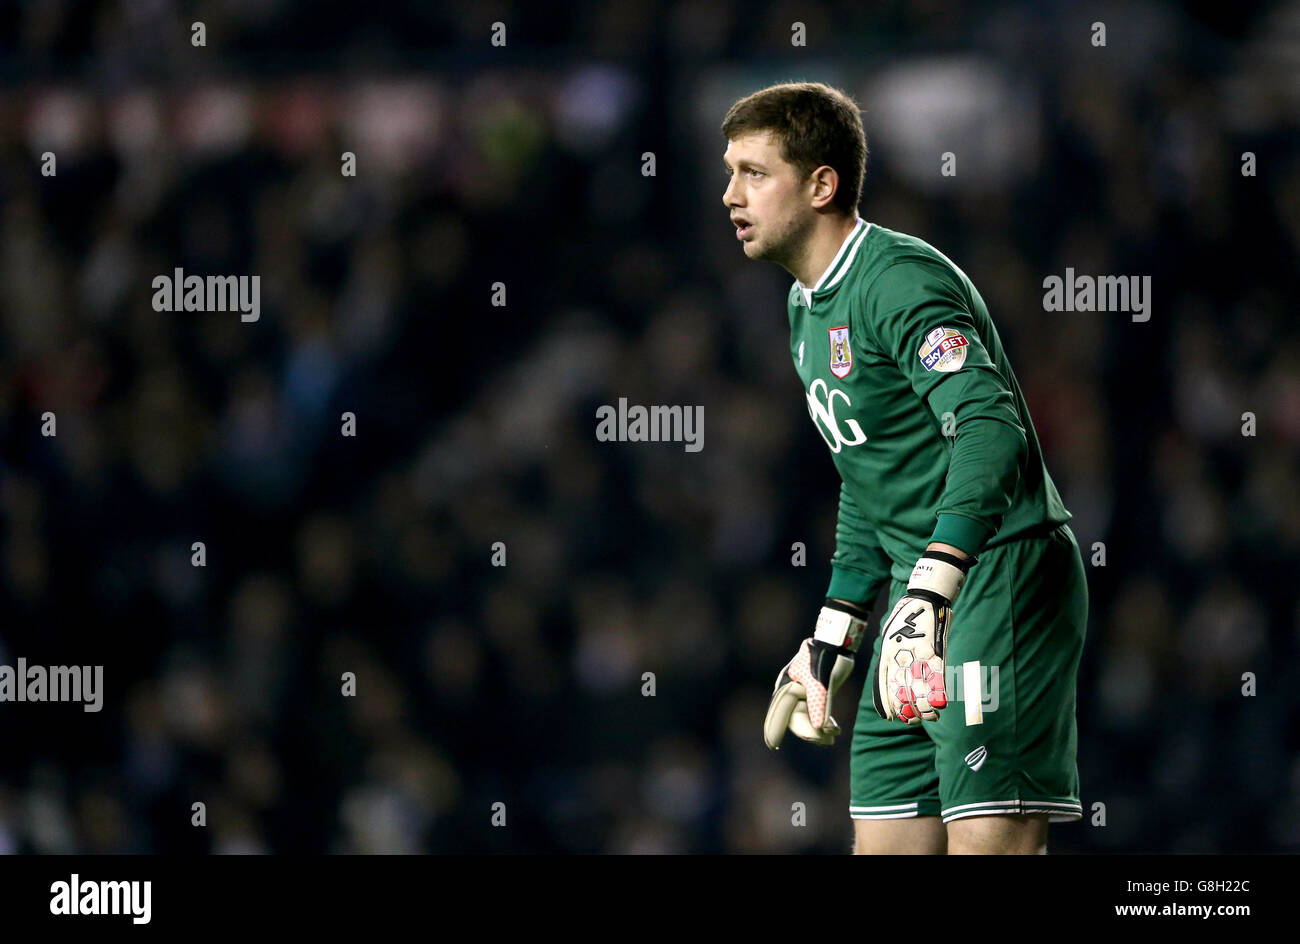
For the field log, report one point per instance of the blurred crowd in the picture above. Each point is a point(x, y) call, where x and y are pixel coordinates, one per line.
point(496, 581)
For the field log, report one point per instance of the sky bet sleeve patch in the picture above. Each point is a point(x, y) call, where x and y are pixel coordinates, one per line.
point(944, 350)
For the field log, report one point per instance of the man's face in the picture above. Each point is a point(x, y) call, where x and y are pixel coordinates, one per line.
point(766, 198)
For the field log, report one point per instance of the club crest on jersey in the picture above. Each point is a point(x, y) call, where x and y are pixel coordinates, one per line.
point(841, 353)
point(944, 350)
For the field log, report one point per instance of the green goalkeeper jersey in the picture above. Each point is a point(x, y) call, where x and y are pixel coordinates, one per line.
point(908, 384)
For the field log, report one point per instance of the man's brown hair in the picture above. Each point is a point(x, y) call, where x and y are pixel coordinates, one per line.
point(815, 125)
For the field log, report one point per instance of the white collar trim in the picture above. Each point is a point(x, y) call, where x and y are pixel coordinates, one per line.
point(860, 228)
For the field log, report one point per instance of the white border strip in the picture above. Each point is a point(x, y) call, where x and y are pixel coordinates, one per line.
point(971, 682)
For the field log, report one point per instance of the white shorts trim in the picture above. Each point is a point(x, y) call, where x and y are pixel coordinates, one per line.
point(908, 815)
point(983, 812)
point(1060, 812)
point(969, 806)
point(989, 812)
point(1067, 806)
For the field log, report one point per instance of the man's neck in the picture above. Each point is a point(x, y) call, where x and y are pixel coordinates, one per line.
point(823, 244)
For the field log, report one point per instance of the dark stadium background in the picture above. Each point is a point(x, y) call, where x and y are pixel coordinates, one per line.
point(476, 424)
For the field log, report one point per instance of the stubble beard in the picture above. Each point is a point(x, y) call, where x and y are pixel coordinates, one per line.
point(787, 246)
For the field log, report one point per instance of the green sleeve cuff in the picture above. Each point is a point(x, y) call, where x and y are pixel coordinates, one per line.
point(959, 531)
point(853, 585)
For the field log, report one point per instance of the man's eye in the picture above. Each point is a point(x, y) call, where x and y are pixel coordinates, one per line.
point(756, 173)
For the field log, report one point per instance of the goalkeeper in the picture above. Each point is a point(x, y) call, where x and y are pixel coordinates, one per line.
point(945, 503)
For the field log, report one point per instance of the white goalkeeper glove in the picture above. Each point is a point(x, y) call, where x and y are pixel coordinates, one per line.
point(801, 699)
point(909, 685)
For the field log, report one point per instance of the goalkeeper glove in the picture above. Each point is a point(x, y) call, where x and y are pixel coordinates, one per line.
point(801, 698)
point(909, 684)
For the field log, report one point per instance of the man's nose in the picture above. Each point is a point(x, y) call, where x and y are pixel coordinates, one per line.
point(729, 196)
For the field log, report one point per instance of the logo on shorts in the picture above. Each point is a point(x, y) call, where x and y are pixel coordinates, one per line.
point(975, 759)
point(841, 355)
point(944, 350)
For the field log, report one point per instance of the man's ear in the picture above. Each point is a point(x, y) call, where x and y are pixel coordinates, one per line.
point(824, 182)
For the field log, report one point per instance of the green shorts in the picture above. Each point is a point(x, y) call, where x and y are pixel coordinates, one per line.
point(1022, 617)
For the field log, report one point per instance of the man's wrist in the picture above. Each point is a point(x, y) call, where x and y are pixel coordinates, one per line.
point(941, 573)
point(859, 610)
point(947, 549)
point(842, 624)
